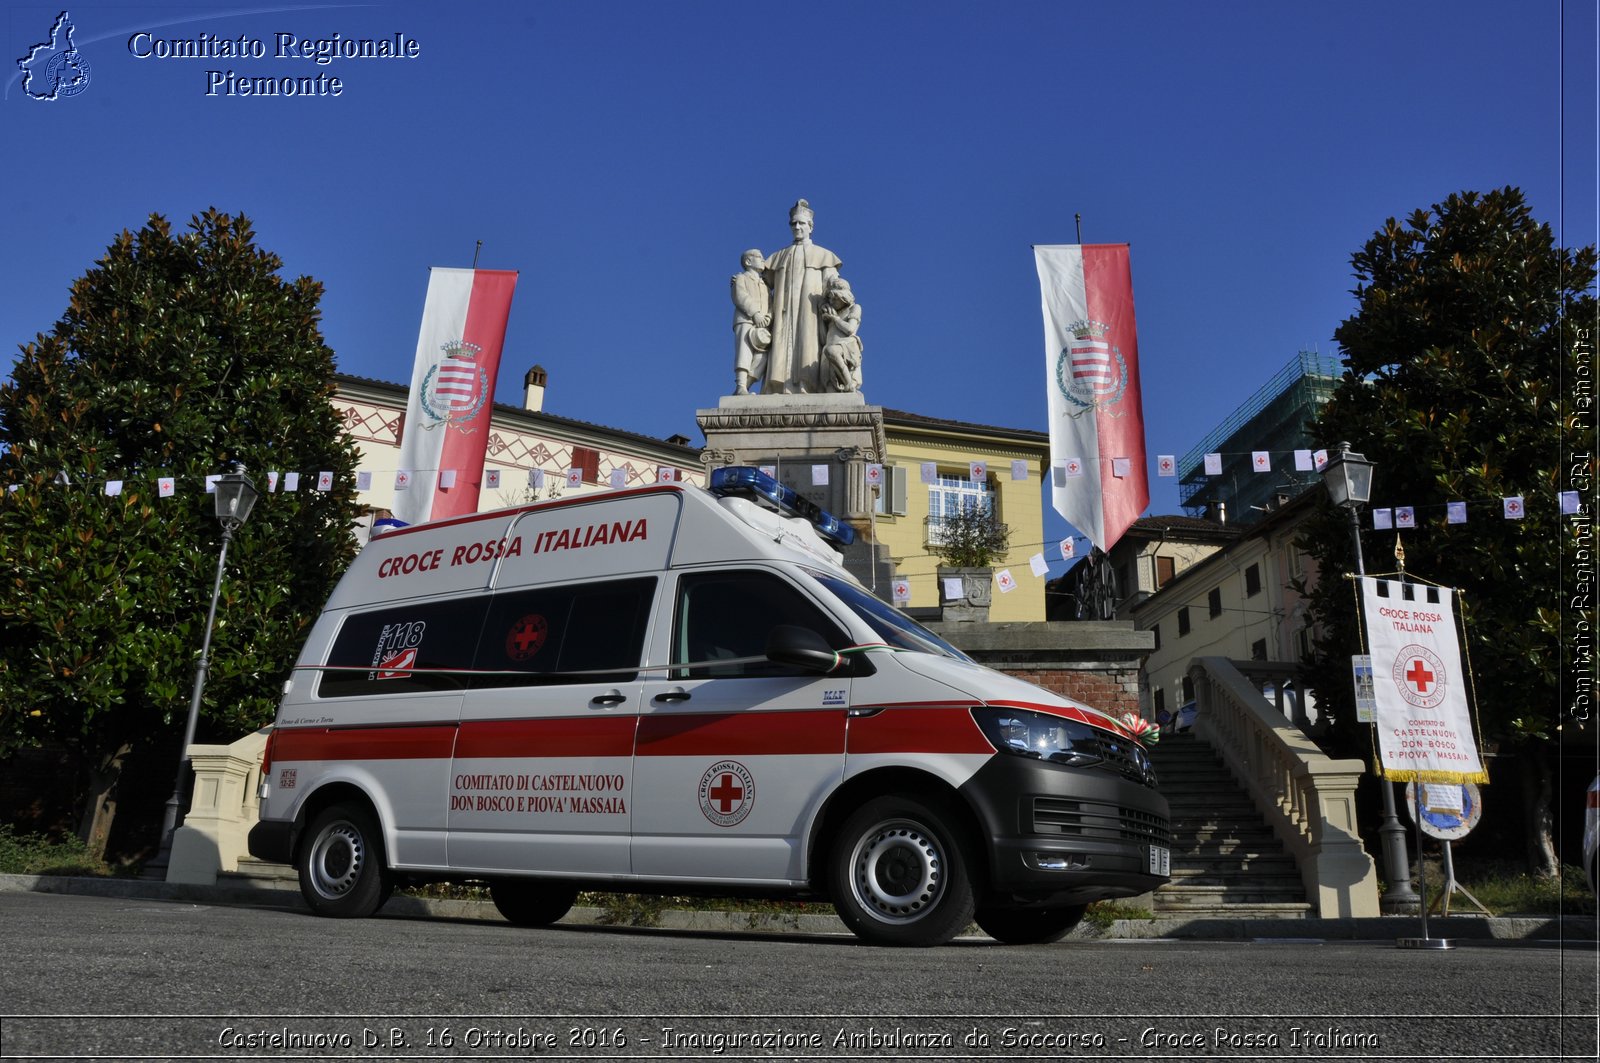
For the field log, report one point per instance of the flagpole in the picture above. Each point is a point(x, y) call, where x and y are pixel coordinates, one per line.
point(1078, 218)
point(475, 254)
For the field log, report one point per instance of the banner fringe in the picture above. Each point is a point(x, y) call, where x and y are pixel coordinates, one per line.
point(1408, 775)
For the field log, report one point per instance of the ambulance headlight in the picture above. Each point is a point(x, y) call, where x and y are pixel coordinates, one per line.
point(1040, 735)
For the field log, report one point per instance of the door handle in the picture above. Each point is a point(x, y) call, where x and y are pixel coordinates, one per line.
point(609, 699)
point(677, 694)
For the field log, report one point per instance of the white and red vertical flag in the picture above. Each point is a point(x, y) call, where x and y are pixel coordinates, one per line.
point(1091, 348)
point(452, 389)
point(1424, 722)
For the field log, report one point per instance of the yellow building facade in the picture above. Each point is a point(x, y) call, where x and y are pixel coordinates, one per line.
point(909, 504)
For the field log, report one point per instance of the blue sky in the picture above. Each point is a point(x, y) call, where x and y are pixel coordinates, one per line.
point(622, 154)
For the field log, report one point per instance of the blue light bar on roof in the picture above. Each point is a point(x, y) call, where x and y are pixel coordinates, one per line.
point(743, 481)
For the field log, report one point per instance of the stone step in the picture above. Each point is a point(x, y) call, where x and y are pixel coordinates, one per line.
point(1236, 863)
point(261, 875)
point(1187, 896)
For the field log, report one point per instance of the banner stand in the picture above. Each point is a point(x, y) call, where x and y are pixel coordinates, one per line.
point(1423, 942)
point(1441, 903)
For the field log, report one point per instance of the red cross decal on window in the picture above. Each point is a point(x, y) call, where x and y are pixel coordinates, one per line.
point(727, 793)
point(1419, 675)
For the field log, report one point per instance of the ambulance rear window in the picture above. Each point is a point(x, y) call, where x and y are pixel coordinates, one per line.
point(404, 649)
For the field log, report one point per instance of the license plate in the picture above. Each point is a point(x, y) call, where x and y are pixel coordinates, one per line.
point(1160, 861)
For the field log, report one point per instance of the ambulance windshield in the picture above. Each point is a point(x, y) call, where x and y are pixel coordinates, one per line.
point(893, 626)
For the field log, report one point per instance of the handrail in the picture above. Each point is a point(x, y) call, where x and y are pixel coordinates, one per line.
point(1307, 797)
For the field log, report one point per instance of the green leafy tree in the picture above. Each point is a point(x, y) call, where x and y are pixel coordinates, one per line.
point(1463, 363)
point(973, 536)
point(177, 354)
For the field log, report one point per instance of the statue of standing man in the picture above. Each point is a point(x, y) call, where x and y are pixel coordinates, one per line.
point(752, 320)
point(798, 276)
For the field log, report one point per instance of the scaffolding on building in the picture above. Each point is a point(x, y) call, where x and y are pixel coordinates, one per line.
point(1274, 420)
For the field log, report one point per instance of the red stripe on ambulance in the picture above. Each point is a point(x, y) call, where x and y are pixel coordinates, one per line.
point(924, 728)
point(609, 736)
point(746, 733)
point(364, 743)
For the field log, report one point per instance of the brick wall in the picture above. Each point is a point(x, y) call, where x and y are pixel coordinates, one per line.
point(1097, 663)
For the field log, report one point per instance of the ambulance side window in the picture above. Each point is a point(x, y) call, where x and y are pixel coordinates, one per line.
point(727, 615)
point(589, 633)
point(404, 649)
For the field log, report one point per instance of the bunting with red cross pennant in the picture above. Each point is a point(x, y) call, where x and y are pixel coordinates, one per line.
point(1422, 689)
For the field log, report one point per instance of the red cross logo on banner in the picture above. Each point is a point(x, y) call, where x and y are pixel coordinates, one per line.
point(1420, 676)
point(727, 793)
point(1166, 465)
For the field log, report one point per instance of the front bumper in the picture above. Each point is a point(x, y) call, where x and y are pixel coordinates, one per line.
point(1059, 835)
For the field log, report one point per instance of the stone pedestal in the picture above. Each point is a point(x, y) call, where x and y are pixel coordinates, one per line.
point(797, 433)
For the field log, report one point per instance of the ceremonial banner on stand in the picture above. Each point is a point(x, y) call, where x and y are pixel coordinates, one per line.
point(1091, 351)
point(452, 390)
point(1424, 721)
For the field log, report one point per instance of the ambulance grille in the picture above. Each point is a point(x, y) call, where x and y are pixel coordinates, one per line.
point(1125, 757)
point(1094, 819)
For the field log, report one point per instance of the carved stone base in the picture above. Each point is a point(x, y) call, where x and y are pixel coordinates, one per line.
point(798, 435)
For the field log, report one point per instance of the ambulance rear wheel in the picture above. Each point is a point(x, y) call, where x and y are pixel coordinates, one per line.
point(531, 902)
point(1029, 926)
point(899, 876)
point(342, 871)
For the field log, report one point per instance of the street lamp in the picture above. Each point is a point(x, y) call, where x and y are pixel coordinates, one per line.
point(1348, 478)
point(235, 496)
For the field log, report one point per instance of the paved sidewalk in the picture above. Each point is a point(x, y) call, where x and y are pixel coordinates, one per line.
point(1573, 930)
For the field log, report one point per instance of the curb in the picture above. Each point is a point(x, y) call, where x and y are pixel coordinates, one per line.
point(1573, 929)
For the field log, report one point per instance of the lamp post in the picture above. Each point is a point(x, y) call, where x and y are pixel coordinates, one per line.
point(235, 496)
point(1349, 481)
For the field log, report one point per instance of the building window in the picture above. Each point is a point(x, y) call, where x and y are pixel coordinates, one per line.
point(1183, 621)
point(949, 495)
point(1252, 581)
point(1166, 568)
point(1214, 602)
point(890, 498)
point(1155, 629)
point(589, 462)
point(1258, 650)
point(1188, 689)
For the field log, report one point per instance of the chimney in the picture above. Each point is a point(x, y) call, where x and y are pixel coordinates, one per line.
point(533, 393)
point(1217, 510)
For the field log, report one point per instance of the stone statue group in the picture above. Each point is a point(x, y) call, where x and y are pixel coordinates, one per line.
point(796, 323)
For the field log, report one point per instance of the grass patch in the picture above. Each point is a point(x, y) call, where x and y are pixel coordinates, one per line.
point(1102, 914)
point(37, 854)
point(1505, 891)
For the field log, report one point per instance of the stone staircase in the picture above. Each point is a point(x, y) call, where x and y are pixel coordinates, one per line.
point(1225, 859)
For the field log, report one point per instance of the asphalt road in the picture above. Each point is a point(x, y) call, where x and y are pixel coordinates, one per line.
point(117, 978)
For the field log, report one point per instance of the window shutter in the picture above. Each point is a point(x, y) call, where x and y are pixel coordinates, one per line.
point(898, 489)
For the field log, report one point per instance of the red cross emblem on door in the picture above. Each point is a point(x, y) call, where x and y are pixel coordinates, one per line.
point(727, 793)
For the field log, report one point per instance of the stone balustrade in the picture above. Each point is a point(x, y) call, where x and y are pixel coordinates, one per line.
point(1308, 798)
point(221, 812)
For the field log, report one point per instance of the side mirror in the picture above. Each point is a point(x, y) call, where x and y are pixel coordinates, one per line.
point(800, 647)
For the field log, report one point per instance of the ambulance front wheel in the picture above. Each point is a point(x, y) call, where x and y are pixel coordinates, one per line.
point(899, 876)
point(342, 872)
point(531, 902)
point(1029, 926)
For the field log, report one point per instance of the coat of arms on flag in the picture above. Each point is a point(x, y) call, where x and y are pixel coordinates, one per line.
point(455, 390)
point(1090, 371)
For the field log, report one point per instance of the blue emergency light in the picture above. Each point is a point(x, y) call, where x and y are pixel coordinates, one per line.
point(744, 481)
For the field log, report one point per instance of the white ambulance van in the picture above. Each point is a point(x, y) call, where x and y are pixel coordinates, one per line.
point(678, 690)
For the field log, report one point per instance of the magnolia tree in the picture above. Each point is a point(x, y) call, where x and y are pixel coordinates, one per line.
point(1467, 359)
point(176, 355)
